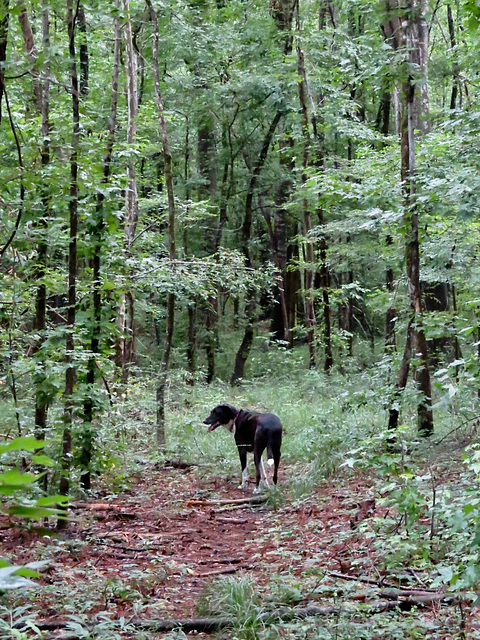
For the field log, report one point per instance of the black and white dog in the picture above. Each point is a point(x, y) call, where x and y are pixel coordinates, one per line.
point(253, 432)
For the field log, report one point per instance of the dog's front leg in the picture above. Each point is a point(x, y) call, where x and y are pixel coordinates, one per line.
point(243, 462)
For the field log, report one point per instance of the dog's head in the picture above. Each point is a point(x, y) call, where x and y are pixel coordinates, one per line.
point(222, 416)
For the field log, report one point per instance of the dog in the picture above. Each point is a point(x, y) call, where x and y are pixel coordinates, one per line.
point(253, 433)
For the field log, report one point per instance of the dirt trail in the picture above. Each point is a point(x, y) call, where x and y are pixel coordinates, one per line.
point(149, 542)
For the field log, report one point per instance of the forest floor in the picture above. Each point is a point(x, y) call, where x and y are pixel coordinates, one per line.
point(150, 551)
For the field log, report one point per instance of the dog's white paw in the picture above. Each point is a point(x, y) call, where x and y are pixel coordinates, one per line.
point(242, 486)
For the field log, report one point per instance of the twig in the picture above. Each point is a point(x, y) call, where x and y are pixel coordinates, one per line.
point(378, 583)
point(22, 169)
point(217, 572)
point(233, 507)
point(457, 428)
point(231, 520)
point(252, 500)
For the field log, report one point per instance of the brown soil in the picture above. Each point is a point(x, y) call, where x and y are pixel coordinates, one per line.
point(150, 539)
point(150, 545)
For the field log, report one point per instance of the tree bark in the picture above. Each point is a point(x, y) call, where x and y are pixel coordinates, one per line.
point(281, 326)
point(40, 377)
point(307, 223)
point(250, 302)
point(70, 374)
point(32, 53)
point(455, 64)
point(84, 61)
point(4, 20)
point(409, 33)
point(125, 347)
point(98, 239)
point(391, 315)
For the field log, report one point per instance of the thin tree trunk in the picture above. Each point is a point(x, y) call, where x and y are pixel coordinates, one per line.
point(324, 271)
point(402, 379)
point(191, 343)
point(391, 315)
point(70, 374)
point(307, 223)
point(409, 32)
point(4, 20)
point(40, 377)
point(250, 301)
point(192, 306)
point(280, 325)
point(125, 355)
point(455, 65)
point(84, 62)
point(167, 157)
point(280, 265)
point(98, 239)
point(415, 117)
point(32, 53)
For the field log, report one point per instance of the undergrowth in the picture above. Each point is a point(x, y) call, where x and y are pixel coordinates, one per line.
point(426, 491)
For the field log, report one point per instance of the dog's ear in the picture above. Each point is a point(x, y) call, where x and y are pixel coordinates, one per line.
point(228, 410)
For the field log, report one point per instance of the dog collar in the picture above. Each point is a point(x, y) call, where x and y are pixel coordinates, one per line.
point(234, 425)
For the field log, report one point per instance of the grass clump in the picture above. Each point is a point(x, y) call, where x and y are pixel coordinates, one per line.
point(236, 598)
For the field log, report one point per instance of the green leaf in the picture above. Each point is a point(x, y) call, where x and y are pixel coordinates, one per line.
point(41, 459)
point(48, 501)
point(33, 512)
point(14, 478)
point(22, 444)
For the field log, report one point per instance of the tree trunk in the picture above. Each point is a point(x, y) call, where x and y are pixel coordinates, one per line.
point(409, 32)
point(391, 315)
point(167, 157)
point(4, 18)
point(243, 352)
point(402, 379)
point(98, 239)
point(435, 297)
point(250, 302)
point(126, 313)
point(324, 271)
point(40, 378)
point(280, 325)
point(307, 224)
point(84, 63)
point(70, 374)
point(32, 54)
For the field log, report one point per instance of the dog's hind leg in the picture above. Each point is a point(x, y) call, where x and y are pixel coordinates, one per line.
point(276, 462)
point(261, 479)
point(263, 475)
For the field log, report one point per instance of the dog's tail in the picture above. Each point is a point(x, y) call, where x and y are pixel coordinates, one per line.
point(270, 460)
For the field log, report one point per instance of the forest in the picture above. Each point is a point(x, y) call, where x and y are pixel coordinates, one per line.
point(270, 204)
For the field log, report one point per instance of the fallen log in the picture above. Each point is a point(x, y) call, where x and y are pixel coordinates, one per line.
point(379, 583)
point(230, 520)
point(207, 503)
point(211, 625)
point(217, 572)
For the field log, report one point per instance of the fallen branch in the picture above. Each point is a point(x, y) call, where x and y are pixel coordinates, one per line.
point(233, 507)
point(231, 520)
point(221, 561)
point(217, 572)
point(206, 503)
point(211, 625)
point(378, 583)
